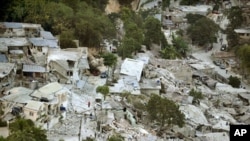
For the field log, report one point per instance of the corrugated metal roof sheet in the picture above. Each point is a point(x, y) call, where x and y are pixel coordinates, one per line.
point(246, 30)
point(13, 42)
point(47, 35)
point(3, 48)
point(3, 58)
point(48, 90)
point(5, 69)
point(132, 67)
point(12, 25)
point(40, 42)
point(33, 68)
point(18, 94)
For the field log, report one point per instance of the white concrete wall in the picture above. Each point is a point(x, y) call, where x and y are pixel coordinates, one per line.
point(28, 116)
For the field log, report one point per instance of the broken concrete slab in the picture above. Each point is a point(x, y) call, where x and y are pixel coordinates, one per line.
point(186, 131)
point(194, 114)
point(245, 97)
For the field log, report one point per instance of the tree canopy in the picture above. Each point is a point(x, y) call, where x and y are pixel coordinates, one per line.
point(180, 45)
point(103, 90)
point(116, 137)
point(196, 96)
point(192, 18)
point(244, 55)
point(25, 130)
point(235, 17)
point(153, 31)
point(234, 81)
point(203, 31)
point(164, 111)
point(109, 59)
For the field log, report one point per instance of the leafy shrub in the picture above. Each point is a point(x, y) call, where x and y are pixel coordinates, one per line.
point(3, 123)
point(234, 81)
point(196, 95)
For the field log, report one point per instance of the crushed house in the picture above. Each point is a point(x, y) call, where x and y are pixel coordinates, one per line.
point(12, 29)
point(25, 43)
point(14, 49)
point(7, 75)
point(34, 110)
point(54, 96)
point(132, 67)
point(39, 46)
point(178, 68)
point(130, 76)
point(150, 86)
point(126, 84)
point(14, 101)
point(173, 18)
point(203, 67)
point(68, 65)
point(33, 73)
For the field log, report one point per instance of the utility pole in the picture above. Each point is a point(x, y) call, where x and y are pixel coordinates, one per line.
point(80, 128)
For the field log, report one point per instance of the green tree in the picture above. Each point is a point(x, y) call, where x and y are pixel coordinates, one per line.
point(165, 4)
point(116, 137)
point(2, 139)
point(243, 53)
point(59, 17)
point(234, 81)
point(92, 26)
point(169, 52)
point(180, 45)
point(25, 130)
point(66, 39)
point(3, 9)
point(164, 111)
point(232, 38)
point(196, 95)
point(235, 17)
point(203, 31)
point(134, 32)
point(152, 32)
point(103, 90)
point(192, 18)
point(109, 59)
point(127, 47)
point(27, 10)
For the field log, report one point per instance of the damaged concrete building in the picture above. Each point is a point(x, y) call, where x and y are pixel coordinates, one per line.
point(69, 65)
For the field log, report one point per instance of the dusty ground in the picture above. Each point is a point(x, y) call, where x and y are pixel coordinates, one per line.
point(113, 6)
point(4, 131)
